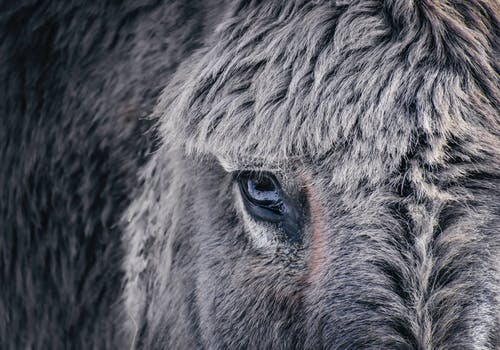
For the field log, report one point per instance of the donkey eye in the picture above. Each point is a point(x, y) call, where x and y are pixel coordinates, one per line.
point(262, 195)
point(265, 200)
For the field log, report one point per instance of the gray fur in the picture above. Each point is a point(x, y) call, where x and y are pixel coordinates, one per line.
point(77, 80)
point(381, 117)
point(386, 115)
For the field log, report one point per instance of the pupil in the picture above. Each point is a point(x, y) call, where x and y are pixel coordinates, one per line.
point(264, 185)
point(263, 190)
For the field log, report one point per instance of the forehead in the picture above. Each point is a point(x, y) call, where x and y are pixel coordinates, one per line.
point(303, 82)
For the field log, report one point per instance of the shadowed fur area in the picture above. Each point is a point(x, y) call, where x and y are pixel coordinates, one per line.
point(125, 129)
point(77, 80)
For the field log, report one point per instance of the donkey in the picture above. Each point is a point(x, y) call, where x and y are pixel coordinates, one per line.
point(328, 178)
point(251, 175)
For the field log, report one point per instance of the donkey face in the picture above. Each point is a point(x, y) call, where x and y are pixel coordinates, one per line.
point(328, 179)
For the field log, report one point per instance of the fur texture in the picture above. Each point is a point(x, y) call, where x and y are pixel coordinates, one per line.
point(76, 83)
point(384, 116)
point(380, 117)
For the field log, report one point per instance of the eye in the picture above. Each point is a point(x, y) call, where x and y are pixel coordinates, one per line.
point(265, 200)
point(263, 195)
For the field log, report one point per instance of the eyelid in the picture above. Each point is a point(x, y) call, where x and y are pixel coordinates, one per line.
point(227, 165)
point(236, 166)
point(237, 176)
point(242, 173)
